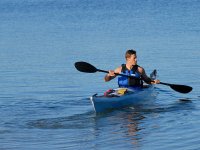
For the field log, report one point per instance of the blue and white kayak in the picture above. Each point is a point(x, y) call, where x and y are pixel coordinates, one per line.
point(124, 97)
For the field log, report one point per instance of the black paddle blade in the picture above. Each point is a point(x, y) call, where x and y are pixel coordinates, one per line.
point(85, 67)
point(181, 88)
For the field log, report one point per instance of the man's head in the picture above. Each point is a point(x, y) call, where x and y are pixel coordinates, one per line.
point(131, 56)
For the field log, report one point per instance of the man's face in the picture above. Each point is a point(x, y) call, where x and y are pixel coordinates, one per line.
point(132, 59)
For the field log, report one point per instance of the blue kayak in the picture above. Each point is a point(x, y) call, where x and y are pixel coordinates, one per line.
point(124, 97)
point(116, 100)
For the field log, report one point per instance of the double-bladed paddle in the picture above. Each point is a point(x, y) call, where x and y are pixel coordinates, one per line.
point(88, 68)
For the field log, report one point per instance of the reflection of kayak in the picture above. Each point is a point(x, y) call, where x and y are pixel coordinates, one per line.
point(123, 97)
point(116, 100)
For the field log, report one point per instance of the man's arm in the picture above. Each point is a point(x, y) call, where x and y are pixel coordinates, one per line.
point(147, 79)
point(111, 75)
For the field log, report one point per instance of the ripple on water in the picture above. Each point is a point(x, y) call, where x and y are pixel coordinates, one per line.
point(71, 122)
point(4, 130)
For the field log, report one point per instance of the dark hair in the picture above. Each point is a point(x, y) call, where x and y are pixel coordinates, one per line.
point(129, 53)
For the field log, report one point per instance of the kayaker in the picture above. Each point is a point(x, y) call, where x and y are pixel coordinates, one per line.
point(132, 69)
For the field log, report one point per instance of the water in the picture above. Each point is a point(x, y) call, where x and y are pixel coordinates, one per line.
point(44, 100)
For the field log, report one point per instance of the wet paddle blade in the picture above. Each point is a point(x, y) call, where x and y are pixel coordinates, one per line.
point(85, 67)
point(181, 88)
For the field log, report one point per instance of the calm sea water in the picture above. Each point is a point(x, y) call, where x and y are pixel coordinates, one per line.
point(44, 100)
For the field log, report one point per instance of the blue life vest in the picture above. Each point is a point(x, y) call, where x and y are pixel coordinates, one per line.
point(130, 82)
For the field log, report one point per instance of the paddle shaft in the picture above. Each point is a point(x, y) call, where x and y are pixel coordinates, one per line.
point(115, 73)
point(165, 83)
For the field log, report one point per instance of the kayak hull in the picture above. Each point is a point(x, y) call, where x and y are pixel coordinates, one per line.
point(134, 98)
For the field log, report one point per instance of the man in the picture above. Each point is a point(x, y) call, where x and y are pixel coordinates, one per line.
point(131, 69)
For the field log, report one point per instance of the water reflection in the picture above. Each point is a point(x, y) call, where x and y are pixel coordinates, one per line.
point(133, 124)
point(133, 127)
point(121, 127)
